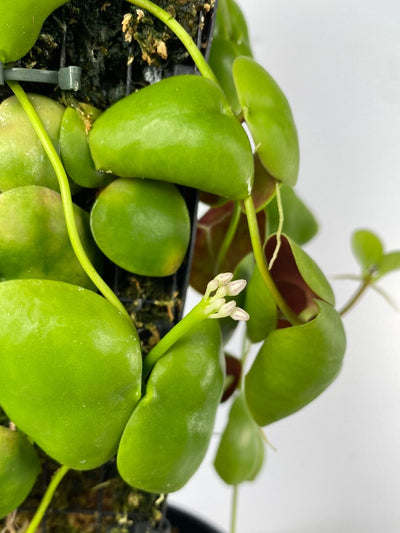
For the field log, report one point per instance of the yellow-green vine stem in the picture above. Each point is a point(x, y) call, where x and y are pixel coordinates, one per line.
point(234, 508)
point(229, 235)
point(354, 299)
point(65, 197)
point(181, 33)
point(195, 315)
point(48, 495)
point(263, 267)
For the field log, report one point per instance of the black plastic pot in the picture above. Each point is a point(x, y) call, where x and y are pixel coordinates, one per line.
point(178, 521)
point(185, 522)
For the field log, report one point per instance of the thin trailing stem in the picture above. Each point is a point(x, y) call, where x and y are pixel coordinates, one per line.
point(66, 198)
point(229, 235)
point(181, 33)
point(262, 265)
point(48, 495)
point(357, 295)
point(196, 315)
point(234, 508)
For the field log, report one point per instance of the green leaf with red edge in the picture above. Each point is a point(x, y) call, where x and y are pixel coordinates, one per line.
point(211, 230)
point(299, 280)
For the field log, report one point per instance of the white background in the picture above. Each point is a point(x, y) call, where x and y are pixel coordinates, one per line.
point(337, 464)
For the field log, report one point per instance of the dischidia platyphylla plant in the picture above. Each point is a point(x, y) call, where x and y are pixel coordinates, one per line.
point(73, 381)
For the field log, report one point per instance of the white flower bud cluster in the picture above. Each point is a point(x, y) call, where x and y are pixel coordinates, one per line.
point(217, 289)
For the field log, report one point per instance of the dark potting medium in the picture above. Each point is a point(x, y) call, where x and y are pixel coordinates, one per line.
point(84, 35)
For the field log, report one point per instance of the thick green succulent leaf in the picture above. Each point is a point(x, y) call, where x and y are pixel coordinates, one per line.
point(240, 454)
point(295, 365)
point(168, 131)
point(211, 231)
point(297, 276)
point(261, 307)
point(23, 160)
point(230, 40)
point(143, 226)
point(19, 468)
point(269, 118)
point(74, 148)
point(299, 223)
point(231, 25)
point(34, 241)
point(70, 369)
point(311, 273)
point(169, 431)
point(20, 25)
point(367, 248)
point(222, 55)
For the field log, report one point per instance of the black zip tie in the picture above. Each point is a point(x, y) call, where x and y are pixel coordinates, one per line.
point(67, 78)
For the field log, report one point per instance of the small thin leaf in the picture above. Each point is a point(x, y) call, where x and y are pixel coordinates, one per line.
point(367, 248)
point(388, 263)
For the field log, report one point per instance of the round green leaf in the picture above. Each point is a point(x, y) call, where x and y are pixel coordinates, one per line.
point(240, 453)
point(22, 157)
point(20, 24)
point(70, 369)
point(295, 365)
point(269, 118)
point(34, 241)
point(19, 468)
point(75, 151)
point(169, 432)
point(143, 226)
point(168, 131)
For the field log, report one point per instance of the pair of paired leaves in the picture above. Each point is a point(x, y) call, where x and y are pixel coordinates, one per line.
point(253, 93)
point(369, 252)
point(299, 224)
point(72, 381)
point(294, 365)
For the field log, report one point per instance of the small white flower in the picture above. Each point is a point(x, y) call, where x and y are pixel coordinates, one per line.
point(217, 289)
point(239, 314)
point(235, 287)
